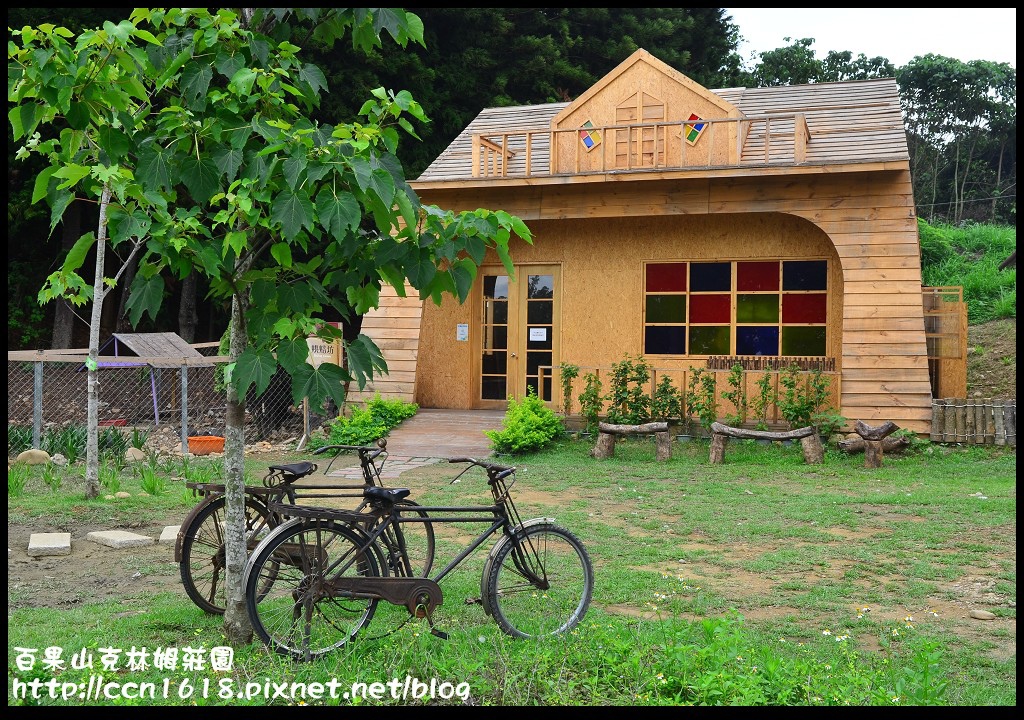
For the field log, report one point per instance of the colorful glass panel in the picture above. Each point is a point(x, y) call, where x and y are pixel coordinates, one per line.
point(757, 276)
point(757, 341)
point(804, 308)
point(804, 275)
point(757, 308)
point(711, 277)
point(710, 308)
point(666, 309)
point(666, 277)
point(709, 340)
point(803, 341)
point(664, 340)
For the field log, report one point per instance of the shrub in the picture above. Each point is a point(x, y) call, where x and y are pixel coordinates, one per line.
point(568, 373)
point(702, 397)
point(737, 395)
point(628, 398)
point(365, 425)
point(151, 482)
point(17, 476)
point(529, 425)
point(667, 403)
point(112, 442)
point(765, 398)
point(591, 402)
point(52, 476)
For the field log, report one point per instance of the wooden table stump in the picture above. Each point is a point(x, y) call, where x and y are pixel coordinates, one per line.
point(873, 437)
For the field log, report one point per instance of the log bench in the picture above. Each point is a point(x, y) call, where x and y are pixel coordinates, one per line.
point(605, 447)
point(814, 453)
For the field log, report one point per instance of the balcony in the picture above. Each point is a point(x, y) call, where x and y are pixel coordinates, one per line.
point(770, 140)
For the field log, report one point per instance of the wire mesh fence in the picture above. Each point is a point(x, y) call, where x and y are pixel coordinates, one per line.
point(49, 390)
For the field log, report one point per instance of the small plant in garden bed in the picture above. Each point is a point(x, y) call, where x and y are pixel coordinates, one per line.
point(591, 402)
point(19, 438)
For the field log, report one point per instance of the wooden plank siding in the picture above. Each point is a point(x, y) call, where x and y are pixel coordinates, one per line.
point(395, 328)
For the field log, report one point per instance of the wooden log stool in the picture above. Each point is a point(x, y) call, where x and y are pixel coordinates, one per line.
point(814, 453)
point(605, 447)
point(873, 438)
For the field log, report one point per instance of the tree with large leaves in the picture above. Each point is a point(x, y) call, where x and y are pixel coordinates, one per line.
point(192, 131)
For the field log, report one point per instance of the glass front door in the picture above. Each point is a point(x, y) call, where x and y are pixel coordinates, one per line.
point(518, 333)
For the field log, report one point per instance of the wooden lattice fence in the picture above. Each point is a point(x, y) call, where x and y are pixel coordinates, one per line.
point(974, 421)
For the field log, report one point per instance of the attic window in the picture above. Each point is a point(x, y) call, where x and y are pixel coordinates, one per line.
point(589, 137)
point(694, 129)
point(639, 146)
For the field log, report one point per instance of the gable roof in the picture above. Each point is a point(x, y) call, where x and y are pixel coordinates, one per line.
point(849, 123)
point(156, 345)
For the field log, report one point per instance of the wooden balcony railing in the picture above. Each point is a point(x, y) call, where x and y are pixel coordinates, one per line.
point(780, 139)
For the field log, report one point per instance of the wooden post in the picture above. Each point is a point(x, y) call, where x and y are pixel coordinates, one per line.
point(1010, 421)
point(814, 452)
point(949, 422)
point(961, 420)
point(605, 447)
point(987, 423)
point(663, 445)
point(873, 437)
point(970, 422)
point(937, 419)
point(718, 443)
point(999, 429)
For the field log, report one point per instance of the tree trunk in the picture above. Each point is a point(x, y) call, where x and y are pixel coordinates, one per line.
point(814, 452)
point(64, 314)
point(663, 446)
point(188, 318)
point(92, 449)
point(121, 323)
point(718, 443)
point(873, 453)
point(605, 447)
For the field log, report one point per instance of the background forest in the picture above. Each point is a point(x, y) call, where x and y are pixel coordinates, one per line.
point(960, 120)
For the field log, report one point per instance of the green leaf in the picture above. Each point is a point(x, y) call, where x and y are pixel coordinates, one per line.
point(147, 295)
point(71, 174)
point(235, 241)
point(195, 83)
point(154, 167)
point(243, 80)
point(363, 298)
point(421, 272)
point(58, 204)
point(23, 119)
point(383, 185)
point(318, 384)
point(78, 116)
point(114, 142)
point(463, 275)
point(292, 353)
point(282, 253)
point(254, 367)
point(228, 159)
point(292, 169)
point(296, 297)
point(314, 77)
point(339, 213)
point(364, 358)
point(228, 65)
point(201, 177)
point(42, 184)
point(292, 211)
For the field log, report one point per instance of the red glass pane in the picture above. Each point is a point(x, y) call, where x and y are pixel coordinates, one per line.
point(709, 308)
point(666, 277)
point(804, 308)
point(757, 276)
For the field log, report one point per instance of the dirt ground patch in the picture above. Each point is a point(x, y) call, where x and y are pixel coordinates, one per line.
point(992, 359)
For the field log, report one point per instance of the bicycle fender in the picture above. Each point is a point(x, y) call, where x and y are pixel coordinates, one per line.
point(186, 523)
point(283, 527)
point(494, 553)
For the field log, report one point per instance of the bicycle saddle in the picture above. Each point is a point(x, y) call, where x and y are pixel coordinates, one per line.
point(297, 470)
point(386, 494)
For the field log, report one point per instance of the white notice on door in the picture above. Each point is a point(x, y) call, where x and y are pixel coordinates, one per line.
point(462, 332)
point(538, 334)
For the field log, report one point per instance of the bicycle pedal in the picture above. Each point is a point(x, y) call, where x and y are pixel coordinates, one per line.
point(439, 633)
point(473, 601)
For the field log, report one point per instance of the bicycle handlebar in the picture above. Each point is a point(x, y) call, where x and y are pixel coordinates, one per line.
point(497, 472)
point(365, 451)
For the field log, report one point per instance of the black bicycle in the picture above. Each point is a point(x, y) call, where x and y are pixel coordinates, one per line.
point(199, 548)
point(316, 580)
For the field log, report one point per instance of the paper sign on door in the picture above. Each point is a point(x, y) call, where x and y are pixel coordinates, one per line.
point(538, 334)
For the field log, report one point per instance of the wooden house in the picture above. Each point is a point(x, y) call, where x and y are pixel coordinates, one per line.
point(694, 227)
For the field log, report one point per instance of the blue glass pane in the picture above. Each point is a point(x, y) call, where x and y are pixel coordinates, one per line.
point(804, 275)
point(757, 340)
point(665, 340)
point(710, 277)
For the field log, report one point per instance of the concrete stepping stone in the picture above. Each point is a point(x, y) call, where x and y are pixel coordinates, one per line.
point(169, 535)
point(119, 538)
point(45, 544)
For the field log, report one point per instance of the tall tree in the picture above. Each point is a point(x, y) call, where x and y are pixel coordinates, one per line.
point(214, 162)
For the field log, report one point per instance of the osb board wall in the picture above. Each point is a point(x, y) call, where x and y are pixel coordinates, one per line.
point(602, 295)
point(679, 102)
point(868, 216)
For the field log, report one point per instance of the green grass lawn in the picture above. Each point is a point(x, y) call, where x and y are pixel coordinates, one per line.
point(761, 581)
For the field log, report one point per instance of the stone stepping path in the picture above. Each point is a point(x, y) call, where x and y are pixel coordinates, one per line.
point(55, 544)
point(393, 467)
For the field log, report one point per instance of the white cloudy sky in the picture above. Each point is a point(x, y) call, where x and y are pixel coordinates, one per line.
point(899, 34)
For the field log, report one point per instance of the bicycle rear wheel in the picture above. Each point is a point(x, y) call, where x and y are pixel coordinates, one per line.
point(288, 594)
point(540, 582)
point(202, 551)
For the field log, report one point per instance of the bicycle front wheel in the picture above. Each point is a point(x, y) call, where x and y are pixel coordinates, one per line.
point(418, 536)
point(202, 563)
point(540, 582)
point(288, 588)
